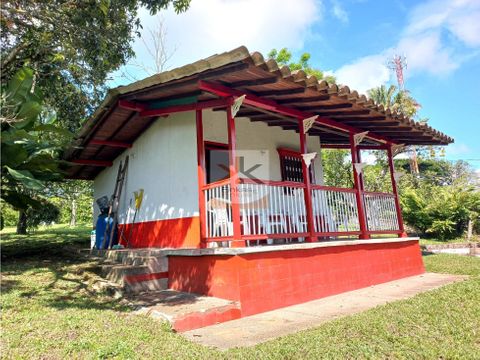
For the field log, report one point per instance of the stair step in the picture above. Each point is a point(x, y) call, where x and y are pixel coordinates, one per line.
point(186, 311)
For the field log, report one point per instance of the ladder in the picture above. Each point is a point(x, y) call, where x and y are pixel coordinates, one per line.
point(114, 204)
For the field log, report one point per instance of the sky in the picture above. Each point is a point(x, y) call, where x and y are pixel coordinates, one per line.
point(352, 39)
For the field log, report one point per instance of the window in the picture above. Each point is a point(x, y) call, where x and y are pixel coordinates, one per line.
point(291, 166)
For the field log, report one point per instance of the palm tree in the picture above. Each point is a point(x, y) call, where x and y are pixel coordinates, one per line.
point(394, 100)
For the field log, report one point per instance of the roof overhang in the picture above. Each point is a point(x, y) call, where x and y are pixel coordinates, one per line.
point(275, 95)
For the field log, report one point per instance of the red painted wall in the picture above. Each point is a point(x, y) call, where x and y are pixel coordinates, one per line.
point(171, 233)
point(266, 281)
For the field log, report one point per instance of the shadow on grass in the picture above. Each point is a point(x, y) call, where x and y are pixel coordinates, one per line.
point(47, 266)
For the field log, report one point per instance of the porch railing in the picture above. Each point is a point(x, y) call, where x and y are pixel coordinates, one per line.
point(380, 211)
point(276, 209)
point(218, 206)
point(334, 211)
point(272, 209)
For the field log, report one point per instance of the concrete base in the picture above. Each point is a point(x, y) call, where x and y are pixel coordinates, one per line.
point(255, 329)
point(267, 278)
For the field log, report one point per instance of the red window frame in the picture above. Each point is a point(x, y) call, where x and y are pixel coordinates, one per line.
point(286, 155)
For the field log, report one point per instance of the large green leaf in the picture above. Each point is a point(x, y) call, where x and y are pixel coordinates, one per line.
point(13, 155)
point(20, 85)
point(26, 178)
point(20, 201)
point(53, 128)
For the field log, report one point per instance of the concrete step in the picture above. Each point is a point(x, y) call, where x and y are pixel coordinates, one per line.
point(133, 270)
point(186, 311)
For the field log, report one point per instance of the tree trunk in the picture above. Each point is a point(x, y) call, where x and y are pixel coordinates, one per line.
point(22, 222)
point(470, 229)
point(73, 214)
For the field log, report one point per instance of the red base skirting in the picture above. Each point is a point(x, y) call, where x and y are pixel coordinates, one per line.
point(271, 280)
point(170, 233)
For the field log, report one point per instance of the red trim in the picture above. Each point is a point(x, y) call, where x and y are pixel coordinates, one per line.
point(377, 193)
point(332, 188)
point(391, 166)
point(166, 233)
point(187, 107)
point(232, 151)
point(271, 182)
point(289, 152)
point(274, 236)
point(129, 105)
point(213, 145)
point(110, 143)
point(215, 184)
point(145, 277)
point(220, 238)
point(306, 180)
point(101, 163)
point(362, 219)
point(385, 232)
point(201, 177)
point(338, 233)
point(347, 146)
point(271, 105)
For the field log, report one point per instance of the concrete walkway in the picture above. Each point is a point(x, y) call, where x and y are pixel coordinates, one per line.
point(259, 328)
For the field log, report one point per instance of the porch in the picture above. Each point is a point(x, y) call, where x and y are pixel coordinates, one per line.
point(289, 204)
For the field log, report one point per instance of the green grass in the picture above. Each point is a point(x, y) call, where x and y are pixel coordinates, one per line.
point(452, 241)
point(50, 311)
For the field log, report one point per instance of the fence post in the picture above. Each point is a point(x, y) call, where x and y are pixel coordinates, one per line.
point(358, 190)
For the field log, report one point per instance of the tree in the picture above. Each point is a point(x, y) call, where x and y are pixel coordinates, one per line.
point(394, 100)
point(30, 145)
point(337, 168)
point(74, 199)
point(72, 46)
point(284, 57)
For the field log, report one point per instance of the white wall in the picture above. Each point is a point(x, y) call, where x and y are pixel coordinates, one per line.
point(264, 140)
point(163, 162)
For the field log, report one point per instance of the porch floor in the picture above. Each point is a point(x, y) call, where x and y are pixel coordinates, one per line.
point(255, 329)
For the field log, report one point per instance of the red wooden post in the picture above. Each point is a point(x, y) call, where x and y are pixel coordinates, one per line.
point(308, 187)
point(395, 192)
point(359, 193)
point(201, 179)
point(232, 149)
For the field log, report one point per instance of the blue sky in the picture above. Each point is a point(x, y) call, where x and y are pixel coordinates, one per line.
point(352, 39)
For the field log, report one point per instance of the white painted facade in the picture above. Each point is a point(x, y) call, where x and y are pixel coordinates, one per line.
point(163, 162)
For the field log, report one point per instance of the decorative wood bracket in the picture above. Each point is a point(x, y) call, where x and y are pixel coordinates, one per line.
point(308, 158)
point(396, 149)
point(358, 138)
point(397, 175)
point(237, 104)
point(308, 123)
point(359, 167)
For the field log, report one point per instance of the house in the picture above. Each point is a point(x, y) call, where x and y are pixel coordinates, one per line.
point(227, 150)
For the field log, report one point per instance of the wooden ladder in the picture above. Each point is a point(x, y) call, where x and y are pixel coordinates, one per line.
point(114, 203)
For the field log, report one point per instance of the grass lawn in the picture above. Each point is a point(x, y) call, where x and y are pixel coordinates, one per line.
point(50, 311)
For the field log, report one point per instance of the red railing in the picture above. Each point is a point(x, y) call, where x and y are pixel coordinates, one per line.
point(276, 210)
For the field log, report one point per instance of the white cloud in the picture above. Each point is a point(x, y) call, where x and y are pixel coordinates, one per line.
point(457, 149)
point(438, 37)
point(365, 73)
point(339, 12)
point(425, 52)
point(214, 26)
